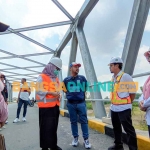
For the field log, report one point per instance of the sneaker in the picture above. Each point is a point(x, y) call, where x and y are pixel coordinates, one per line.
point(75, 142)
point(6, 122)
point(24, 119)
point(87, 144)
point(116, 147)
point(4, 127)
point(16, 120)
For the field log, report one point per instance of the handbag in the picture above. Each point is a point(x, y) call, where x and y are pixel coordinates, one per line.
point(2, 142)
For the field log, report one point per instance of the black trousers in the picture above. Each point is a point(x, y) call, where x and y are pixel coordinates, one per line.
point(124, 118)
point(48, 123)
point(149, 130)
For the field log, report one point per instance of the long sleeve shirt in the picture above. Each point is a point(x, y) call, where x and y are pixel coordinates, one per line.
point(146, 104)
point(41, 93)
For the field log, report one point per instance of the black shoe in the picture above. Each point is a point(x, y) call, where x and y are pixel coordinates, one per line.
point(116, 147)
point(57, 148)
point(45, 149)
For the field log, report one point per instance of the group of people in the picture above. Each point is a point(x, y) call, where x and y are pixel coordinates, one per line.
point(121, 105)
point(48, 98)
point(23, 98)
point(49, 101)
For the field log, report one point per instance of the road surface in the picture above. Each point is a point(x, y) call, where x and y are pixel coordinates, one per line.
point(25, 135)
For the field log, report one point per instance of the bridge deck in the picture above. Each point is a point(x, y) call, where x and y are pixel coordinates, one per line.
point(25, 136)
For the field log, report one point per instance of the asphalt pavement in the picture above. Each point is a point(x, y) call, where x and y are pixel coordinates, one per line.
point(25, 135)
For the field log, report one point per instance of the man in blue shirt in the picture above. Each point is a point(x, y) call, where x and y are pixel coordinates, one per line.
point(76, 87)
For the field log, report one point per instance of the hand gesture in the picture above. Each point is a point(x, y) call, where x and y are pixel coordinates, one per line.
point(60, 97)
point(141, 106)
point(18, 100)
point(56, 94)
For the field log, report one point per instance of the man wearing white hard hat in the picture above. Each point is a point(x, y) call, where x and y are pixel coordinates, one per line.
point(48, 99)
point(121, 105)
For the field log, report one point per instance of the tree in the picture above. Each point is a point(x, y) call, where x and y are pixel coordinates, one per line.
point(137, 95)
point(106, 97)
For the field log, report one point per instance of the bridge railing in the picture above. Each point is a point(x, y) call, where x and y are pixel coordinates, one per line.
point(95, 109)
point(93, 103)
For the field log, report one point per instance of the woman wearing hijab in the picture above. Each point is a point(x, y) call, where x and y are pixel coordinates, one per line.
point(48, 98)
point(144, 100)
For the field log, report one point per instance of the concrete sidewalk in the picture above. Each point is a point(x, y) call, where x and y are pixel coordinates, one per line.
point(25, 136)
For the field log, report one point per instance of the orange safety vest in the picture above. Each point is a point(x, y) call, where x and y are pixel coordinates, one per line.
point(25, 88)
point(115, 99)
point(48, 85)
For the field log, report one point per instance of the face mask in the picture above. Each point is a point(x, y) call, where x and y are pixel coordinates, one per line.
point(56, 72)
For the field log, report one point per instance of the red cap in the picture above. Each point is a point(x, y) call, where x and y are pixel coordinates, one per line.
point(75, 64)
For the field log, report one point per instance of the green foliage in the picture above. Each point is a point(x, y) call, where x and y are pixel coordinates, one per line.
point(135, 104)
point(89, 105)
point(107, 102)
point(141, 88)
point(137, 95)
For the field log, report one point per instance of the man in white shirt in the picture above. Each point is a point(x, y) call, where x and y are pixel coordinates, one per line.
point(23, 98)
point(121, 99)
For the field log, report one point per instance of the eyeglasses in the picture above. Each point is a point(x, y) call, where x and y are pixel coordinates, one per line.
point(2, 77)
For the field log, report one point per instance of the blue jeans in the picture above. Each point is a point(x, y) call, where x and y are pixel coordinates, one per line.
point(76, 110)
point(20, 105)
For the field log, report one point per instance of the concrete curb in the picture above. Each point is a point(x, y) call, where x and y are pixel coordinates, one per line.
point(143, 142)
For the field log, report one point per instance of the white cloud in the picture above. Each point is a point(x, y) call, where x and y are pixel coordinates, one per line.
point(108, 23)
point(105, 30)
point(103, 78)
point(141, 63)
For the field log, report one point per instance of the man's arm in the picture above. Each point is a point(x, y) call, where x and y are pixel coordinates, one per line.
point(86, 86)
point(64, 88)
point(18, 96)
point(132, 96)
point(129, 80)
point(29, 91)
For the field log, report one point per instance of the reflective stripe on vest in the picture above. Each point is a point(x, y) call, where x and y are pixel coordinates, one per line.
point(115, 99)
point(49, 100)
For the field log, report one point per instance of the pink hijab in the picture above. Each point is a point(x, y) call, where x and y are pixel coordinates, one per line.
point(146, 87)
point(49, 70)
point(3, 105)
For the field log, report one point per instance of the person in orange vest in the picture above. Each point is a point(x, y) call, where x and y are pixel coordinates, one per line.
point(48, 99)
point(121, 105)
point(23, 98)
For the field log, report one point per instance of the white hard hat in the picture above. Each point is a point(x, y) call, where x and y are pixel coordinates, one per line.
point(57, 62)
point(115, 60)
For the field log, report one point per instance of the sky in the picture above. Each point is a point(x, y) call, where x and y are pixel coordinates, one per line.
point(105, 29)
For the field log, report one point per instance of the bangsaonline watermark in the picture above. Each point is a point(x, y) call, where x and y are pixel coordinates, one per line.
point(77, 87)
